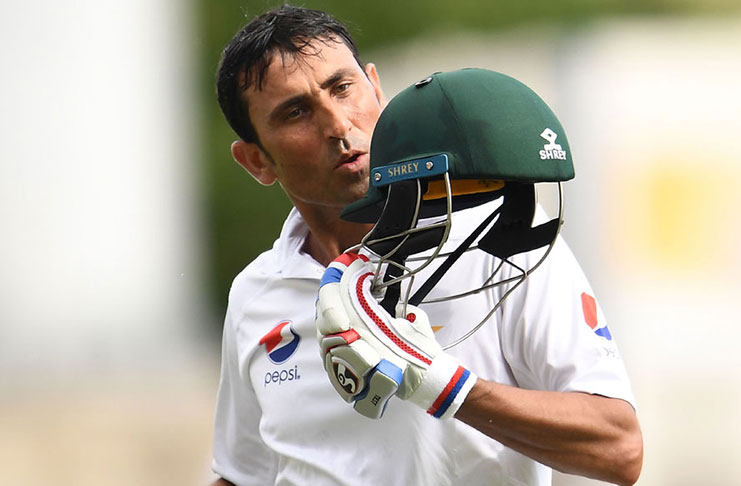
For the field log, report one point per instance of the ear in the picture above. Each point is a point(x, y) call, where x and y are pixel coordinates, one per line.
point(252, 158)
point(372, 73)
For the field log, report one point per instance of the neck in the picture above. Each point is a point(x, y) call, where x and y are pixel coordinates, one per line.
point(329, 235)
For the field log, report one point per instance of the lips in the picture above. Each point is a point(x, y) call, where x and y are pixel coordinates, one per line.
point(349, 159)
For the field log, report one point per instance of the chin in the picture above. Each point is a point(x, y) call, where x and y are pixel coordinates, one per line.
point(359, 193)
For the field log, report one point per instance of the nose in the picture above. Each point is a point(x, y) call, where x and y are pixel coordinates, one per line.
point(337, 123)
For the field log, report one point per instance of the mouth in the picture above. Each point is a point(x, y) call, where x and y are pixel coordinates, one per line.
point(351, 160)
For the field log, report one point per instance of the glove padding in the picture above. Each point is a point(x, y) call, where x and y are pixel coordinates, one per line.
point(370, 356)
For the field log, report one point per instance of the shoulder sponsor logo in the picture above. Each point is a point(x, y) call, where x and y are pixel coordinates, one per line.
point(281, 342)
point(551, 150)
point(589, 306)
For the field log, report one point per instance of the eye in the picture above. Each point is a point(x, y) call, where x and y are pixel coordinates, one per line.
point(295, 113)
point(342, 88)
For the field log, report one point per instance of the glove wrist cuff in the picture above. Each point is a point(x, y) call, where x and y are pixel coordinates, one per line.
point(444, 387)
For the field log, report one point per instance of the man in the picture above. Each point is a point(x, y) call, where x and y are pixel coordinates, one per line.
point(292, 87)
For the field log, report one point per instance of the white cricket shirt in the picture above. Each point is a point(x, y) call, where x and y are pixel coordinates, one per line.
point(279, 421)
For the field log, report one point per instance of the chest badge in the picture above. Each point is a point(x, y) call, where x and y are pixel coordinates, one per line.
point(281, 342)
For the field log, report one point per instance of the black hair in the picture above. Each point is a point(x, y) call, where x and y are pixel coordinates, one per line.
point(286, 31)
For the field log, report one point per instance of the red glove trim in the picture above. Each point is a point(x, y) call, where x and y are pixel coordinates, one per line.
point(382, 325)
point(349, 336)
point(347, 258)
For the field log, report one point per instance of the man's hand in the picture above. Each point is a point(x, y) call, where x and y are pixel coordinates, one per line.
point(371, 356)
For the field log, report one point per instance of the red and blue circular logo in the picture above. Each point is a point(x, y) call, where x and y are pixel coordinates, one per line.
point(281, 342)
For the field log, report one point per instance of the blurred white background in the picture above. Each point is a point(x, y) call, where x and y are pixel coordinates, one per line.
point(104, 374)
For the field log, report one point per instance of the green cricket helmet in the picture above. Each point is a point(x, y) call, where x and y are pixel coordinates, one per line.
point(449, 142)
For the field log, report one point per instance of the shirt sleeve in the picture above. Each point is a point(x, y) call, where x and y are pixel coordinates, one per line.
point(555, 336)
point(240, 455)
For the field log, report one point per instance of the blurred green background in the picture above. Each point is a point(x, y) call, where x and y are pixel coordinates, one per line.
point(242, 218)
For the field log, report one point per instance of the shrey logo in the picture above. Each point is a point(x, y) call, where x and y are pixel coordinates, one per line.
point(551, 150)
point(281, 342)
point(589, 306)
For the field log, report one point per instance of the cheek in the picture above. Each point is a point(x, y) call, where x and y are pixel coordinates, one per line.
point(294, 146)
point(366, 119)
point(372, 111)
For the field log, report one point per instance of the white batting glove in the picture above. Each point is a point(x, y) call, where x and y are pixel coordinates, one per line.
point(370, 356)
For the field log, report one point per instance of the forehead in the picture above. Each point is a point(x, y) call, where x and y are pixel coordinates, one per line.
point(288, 72)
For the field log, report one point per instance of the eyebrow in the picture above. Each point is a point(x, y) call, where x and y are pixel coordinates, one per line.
point(336, 76)
point(303, 98)
point(285, 105)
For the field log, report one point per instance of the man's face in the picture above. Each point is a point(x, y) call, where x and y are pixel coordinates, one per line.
point(314, 117)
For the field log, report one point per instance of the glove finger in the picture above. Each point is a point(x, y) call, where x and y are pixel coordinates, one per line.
point(357, 270)
point(356, 294)
point(347, 259)
point(333, 340)
point(383, 382)
point(331, 316)
point(347, 366)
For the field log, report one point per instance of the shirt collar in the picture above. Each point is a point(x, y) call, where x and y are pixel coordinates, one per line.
point(292, 261)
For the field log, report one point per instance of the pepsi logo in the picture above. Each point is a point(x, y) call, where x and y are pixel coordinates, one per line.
point(281, 342)
point(589, 306)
